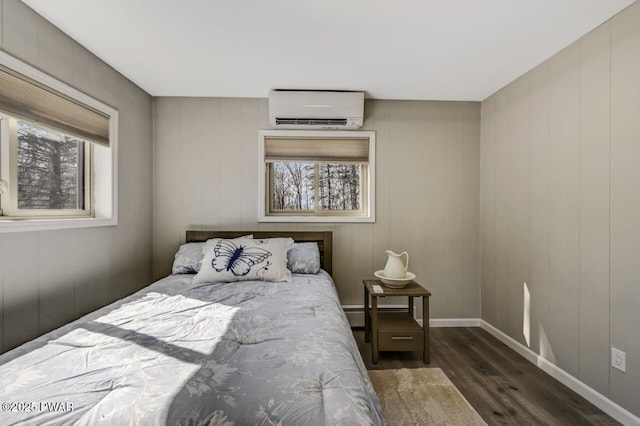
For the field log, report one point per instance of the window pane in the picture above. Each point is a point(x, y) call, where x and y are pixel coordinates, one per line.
point(50, 169)
point(339, 187)
point(292, 186)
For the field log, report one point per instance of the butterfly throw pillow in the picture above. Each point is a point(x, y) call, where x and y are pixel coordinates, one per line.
point(189, 257)
point(244, 259)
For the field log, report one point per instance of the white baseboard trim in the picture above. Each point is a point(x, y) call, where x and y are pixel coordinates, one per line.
point(453, 322)
point(602, 402)
point(355, 315)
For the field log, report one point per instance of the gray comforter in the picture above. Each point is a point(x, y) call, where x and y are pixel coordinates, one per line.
point(178, 353)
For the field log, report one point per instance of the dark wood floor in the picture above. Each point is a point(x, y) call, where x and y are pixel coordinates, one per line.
point(502, 386)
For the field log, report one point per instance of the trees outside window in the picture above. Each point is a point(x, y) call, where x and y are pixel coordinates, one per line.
point(312, 187)
point(339, 186)
point(50, 169)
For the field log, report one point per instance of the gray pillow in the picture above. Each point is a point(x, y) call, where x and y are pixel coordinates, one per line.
point(188, 259)
point(304, 258)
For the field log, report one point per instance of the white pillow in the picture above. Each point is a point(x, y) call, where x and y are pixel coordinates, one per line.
point(244, 259)
point(189, 257)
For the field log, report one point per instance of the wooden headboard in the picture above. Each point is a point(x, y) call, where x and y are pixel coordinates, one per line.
point(323, 238)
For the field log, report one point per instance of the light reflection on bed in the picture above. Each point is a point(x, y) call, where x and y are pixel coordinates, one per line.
point(182, 321)
point(184, 353)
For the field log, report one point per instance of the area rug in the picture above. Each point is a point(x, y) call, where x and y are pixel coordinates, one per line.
point(421, 396)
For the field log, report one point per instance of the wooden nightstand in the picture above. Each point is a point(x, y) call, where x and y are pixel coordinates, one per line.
point(396, 331)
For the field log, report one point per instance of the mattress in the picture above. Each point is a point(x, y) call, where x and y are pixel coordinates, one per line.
point(183, 353)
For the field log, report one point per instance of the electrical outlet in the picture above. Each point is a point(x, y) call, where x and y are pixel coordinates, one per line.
point(619, 360)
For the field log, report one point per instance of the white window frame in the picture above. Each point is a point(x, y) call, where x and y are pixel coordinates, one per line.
point(367, 180)
point(9, 173)
point(104, 179)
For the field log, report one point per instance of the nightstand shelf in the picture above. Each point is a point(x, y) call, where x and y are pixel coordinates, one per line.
point(396, 331)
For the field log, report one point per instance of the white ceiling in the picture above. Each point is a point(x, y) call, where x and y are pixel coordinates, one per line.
point(392, 49)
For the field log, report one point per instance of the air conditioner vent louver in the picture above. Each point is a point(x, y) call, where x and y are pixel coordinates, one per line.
point(311, 121)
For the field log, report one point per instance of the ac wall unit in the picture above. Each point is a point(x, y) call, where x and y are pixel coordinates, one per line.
point(302, 109)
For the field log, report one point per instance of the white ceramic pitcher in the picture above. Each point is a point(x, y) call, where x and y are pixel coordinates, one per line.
point(394, 267)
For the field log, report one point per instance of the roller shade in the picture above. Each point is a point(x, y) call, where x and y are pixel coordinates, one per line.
point(30, 100)
point(352, 150)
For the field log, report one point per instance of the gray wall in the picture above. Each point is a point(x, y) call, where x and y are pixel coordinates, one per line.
point(560, 208)
point(205, 176)
point(50, 278)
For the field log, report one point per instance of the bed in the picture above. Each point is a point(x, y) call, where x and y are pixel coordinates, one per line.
point(186, 353)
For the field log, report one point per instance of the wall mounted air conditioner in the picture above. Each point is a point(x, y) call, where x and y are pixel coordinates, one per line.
point(303, 109)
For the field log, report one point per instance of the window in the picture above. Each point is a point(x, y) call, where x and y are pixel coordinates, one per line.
point(49, 173)
point(323, 176)
point(57, 153)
